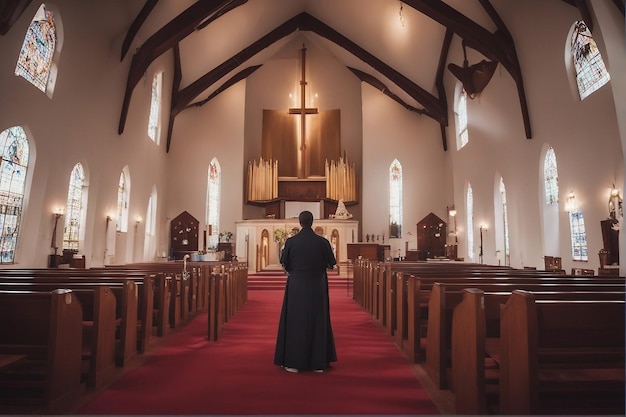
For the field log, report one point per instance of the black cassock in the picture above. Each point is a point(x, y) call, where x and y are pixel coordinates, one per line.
point(305, 337)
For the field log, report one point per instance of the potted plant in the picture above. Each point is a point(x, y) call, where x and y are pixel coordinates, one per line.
point(226, 236)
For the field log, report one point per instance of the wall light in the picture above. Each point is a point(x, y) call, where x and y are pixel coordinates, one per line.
point(571, 204)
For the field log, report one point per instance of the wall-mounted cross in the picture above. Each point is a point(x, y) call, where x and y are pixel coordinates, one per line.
point(303, 110)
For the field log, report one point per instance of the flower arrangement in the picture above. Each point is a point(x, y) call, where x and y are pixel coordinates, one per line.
point(226, 236)
point(280, 235)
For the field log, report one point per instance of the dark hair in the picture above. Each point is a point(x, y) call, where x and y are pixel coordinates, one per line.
point(306, 219)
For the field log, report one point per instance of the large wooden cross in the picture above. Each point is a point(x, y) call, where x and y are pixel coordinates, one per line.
point(303, 110)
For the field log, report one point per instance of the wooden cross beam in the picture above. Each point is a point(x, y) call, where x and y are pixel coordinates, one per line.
point(303, 110)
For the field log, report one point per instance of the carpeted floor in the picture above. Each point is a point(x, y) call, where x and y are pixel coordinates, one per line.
point(189, 375)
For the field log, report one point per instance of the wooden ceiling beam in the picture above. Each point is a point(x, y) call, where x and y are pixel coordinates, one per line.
point(136, 25)
point(164, 39)
point(10, 12)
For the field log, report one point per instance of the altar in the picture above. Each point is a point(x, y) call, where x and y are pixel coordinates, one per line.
point(259, 241)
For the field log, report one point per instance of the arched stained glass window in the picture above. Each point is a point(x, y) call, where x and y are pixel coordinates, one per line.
point(469, 201)
point(13, 168)
point(35, 59)
point(578, 233)
point(395, 199)
point(123, 193)
point(213, 202)
point(505, 222)
point(591, 73)
point(154, 121)
point(74, 209)
point(461, 119)
point(149, 247)
point(551, 177)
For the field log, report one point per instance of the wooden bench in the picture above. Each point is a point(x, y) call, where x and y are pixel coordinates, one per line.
point(475, 344)
point(446, 296)
point(47, 328)
point(561, 356)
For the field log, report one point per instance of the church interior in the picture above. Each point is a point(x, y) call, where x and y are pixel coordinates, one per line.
point(477, 132)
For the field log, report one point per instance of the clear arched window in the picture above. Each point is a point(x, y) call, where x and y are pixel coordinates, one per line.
point(154, 121)
point(74, 208)
point(213, 202)
point(591, 73)
point(35, 60)
point(149, 248)
point(505, 221)
point(461, 119)
point(13, 168)
point(469, 201)
point(123, 196)
point(577, 230)
point(551, 177)
point(395, 199)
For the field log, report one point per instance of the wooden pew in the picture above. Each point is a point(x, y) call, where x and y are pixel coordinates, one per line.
point(476, 344)
point(561, 356)
point(444, 298)
point(47, 327)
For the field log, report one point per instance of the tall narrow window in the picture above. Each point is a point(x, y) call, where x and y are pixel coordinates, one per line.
point(213, 202)
point(35, 60)
point(74, 209)
point(577, 230)
point(123, 193)
point(551, 177)
point(461, 119)
point(15, 154)
point(154, 122)
point(395, 199)
point(469, 201)
point(505, 222)
point(591, 73)
point(149, 247)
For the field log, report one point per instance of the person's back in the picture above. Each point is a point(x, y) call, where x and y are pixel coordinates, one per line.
point(305, 340)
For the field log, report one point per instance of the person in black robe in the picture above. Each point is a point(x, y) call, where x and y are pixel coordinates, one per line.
point(305, 339)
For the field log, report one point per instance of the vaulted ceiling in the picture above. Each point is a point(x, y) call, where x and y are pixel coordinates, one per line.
point(237, 36)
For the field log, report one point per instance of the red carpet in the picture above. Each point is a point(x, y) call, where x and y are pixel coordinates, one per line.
point(236, 375)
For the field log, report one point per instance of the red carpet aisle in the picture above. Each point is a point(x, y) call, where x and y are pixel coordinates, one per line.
point(236, 375)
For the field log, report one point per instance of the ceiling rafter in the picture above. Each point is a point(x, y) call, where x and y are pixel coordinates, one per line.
point(495, 47)
point(10, 11)
point(136, 25)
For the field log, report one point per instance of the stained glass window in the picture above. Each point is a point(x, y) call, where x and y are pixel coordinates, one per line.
point(591, 73)
point(469, 201)
point(505, 222)
point(122, 204)
point(461, 120)
point(37, 51)
point(15, 154)
point(74, 209)
point(395, 199)
point(213, 202)
point(578, 234)
point(551, 177)
point(154, 122)
point(149, 248)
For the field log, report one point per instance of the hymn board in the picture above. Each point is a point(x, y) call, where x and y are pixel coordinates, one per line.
point(301, 157)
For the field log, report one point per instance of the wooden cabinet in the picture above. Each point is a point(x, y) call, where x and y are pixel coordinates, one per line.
point(183, 235)
point(431, 237)
point(371, 251)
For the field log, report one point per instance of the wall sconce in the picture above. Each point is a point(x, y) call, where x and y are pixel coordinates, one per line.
point(137, 222)
point(57, 215)
point(482, 229)
point(571, 204)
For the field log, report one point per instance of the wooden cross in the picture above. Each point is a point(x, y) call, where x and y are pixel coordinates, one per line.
point(302, 111)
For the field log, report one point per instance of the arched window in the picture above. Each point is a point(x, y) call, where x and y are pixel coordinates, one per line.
point(577, 230)
point(395, 199)
point(13, 168)
point(461, 119)
point(591, 73)
point(123, 196)
point(505, 223)
point(149, 247)
point(551, 177)
point(35, 60)
point(154, 121)
point(469, 201)
point(74, 209)
point(213, 199)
